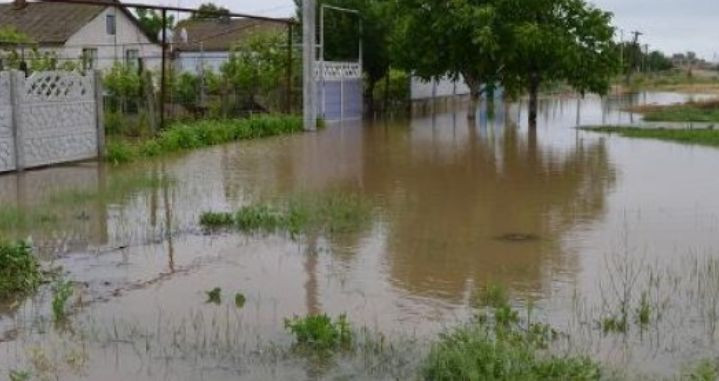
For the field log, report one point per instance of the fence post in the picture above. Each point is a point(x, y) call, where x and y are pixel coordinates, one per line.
point(99, 114)
point(17, 84)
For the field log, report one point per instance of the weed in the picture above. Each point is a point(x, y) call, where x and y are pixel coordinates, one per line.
point(644, 311)
point(493, 295)
point(216, 220)
point(329, 213)
point(480, 351)
point(706, 370)
point(203, 133)
point(614, 324)
point(707, 137)
point(319, 332)
point(19, 270)
point(214, 296)
point(240, 300)
point(120, 152)
point(19, 375)
point(62, 291)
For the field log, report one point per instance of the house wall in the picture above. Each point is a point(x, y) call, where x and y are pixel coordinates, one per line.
point(192, 62)
point(112, 48)
point(445, 87)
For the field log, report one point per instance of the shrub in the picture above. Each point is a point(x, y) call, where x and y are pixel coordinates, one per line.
point(120, 152)
point(62, 291)
point(19, 270)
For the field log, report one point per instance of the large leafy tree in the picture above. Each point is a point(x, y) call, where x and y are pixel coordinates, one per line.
point(459, 38)
point(557, 40)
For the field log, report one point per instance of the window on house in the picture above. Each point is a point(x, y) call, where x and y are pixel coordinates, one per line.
point(89, 58)
point(132, 57)
point(111, 25)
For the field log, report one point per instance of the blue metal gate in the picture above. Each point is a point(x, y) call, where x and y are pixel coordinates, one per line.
point(339, 90)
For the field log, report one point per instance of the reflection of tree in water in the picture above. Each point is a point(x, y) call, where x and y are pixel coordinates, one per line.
point(447, 208)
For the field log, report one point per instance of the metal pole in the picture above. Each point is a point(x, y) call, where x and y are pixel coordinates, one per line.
point(309, 84)
point(162, 69)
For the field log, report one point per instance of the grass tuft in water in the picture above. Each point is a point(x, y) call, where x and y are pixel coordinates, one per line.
point(19, 375)
point(214, 296)
point(19, 270)
point(240, 300)
point(61, 293)
point(644, 311)
point(330, 213)
point(503, 348)
point(320, 333)
point(202, 133)
point(614, 324)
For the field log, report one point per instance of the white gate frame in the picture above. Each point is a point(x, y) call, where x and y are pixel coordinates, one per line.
point(333, 70)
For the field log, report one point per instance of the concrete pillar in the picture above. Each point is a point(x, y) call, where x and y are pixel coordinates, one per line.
point(309, 55)
point(17, 84)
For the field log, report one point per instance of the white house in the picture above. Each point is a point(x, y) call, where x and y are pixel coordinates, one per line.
point(96, 35)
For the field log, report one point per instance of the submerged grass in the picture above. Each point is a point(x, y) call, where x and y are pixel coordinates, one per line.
point(183, 136)
point(705, 137)
point(333, 213)
point(19, 270)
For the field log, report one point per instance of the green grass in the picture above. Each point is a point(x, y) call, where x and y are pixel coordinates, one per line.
point(19, 270)
point(496, 348)
point(689, 112)
point(333, 213)
point(689, 136)
point(320, 333)
point(61, 293)
point(203, 133)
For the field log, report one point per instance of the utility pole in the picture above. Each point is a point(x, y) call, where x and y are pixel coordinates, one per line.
point(633, 62)
point(308, 62)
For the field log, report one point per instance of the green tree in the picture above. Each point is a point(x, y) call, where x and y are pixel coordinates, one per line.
point(210, 11)
point(151, 22)
point(557, 40)
point(460, 38)
point(256, 67)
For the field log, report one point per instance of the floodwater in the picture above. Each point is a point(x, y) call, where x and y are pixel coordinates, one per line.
point(574, 223)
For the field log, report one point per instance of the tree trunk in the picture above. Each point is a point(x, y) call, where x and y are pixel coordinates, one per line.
point(385, 102)
point(534, 81)
point(475, 95)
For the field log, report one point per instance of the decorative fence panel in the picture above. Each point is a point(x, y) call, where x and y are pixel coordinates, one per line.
point(340, 90)
point(55, 118)
point(7, 136)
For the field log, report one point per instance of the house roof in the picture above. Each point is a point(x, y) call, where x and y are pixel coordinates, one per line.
point(52, 23)
point(218, 34)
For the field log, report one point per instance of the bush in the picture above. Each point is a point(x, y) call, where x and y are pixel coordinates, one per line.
point(19, 270)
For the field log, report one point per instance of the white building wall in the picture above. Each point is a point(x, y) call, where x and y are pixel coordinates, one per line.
point(112, 48)
point(444, 87)
point(192, 62)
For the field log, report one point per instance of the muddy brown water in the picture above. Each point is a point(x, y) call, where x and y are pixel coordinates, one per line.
point(565, 219)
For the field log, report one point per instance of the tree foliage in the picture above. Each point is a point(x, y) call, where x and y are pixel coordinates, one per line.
point(519, 43)
point(151, 22)
point(257, 65)
point(210, 11)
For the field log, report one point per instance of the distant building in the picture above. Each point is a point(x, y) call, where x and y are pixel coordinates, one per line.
point(207, 43)
point(99, 36)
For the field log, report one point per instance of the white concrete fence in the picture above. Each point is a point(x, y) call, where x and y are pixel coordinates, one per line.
point(49, 118)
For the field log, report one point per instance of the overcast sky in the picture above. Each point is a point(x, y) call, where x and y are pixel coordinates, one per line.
point(668, 25)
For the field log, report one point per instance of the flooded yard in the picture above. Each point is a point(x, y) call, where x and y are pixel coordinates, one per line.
point(583, 229)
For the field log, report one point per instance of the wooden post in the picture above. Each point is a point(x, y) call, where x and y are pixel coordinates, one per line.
point(17, 79)
point(99, 114)
point(149, 90)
